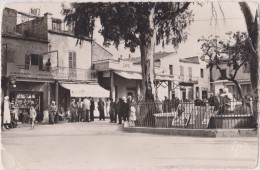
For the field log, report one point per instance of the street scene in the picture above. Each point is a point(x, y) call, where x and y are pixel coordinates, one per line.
point(130, 85)
point(100, 145)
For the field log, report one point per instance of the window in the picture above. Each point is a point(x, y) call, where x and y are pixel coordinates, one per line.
point(201, 73)
point(34, 59)
point(190, 72)
point(181, 71)
point(72, 59)
point(56, 26)
point(171, 69)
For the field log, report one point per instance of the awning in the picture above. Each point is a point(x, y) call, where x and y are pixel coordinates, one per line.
point(86, 90)
point(138, 76)
point(129, 75)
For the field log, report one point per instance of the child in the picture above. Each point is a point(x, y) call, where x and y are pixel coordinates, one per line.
point(132, 116)
point(32, 115)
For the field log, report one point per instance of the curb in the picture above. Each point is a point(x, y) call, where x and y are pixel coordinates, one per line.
point(213, 133)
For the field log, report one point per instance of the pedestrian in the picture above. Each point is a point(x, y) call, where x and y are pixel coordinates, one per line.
point(166, 105)
point(80, 109)
point(73, 110)
point(124, 109)
point(92, 108)
point(101, 108)
point(116, 105)
point(52, 112)
point(112, 111)
point(132, 114)
point(108, 107)
point(86, 109)
point(120, 111)
point(68, 115)
point(32, 115)
point(7, 113)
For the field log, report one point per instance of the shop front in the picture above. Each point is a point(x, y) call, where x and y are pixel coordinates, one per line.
point(77, 91)
point(27, 92)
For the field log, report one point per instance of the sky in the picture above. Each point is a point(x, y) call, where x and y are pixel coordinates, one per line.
point(231, 20)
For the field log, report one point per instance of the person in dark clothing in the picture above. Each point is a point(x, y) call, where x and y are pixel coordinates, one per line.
point(48, 65)
point(213, 102)
point(92, 108)
point(52, 112)
point(116, 110)
point(176, 103)
point(198, 102)
point(112, 111)
point(120, 110)
point(101, 108)
point(124, 109)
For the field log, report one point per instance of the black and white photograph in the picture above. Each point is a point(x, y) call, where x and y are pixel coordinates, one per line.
point(129, 85)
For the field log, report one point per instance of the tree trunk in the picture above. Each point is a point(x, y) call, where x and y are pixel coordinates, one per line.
point(147, 62)
point(239, 90)
point(253, 32)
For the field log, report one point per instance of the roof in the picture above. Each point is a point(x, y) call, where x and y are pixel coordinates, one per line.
point(22, 13)
point(156, 56)
point(22, 37)
point(194, 60)
point(66, 34)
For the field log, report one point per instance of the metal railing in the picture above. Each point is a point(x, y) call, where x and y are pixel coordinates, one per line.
point(189, 79)
point(73, 74)
point(194, 115)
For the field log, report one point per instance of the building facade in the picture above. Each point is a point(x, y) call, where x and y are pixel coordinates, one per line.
point(243, 78)
point(45, 61)
point(175, 77)
point(194, 78)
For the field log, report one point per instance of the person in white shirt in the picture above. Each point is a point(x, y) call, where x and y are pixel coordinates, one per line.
point(86, 109)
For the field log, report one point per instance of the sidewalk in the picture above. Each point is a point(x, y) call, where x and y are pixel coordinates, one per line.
point(195, 132)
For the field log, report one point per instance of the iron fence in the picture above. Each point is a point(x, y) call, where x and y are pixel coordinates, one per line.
point(203, 115)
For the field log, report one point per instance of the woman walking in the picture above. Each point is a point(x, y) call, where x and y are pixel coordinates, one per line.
point(32, 115)
point(7, 113)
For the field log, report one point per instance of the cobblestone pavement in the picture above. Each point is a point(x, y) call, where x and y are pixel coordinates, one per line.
point(103, 145)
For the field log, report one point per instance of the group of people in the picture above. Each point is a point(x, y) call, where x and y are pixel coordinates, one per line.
point(169, 105)
point(82, 110)
point(10, 114)
point(123, 109)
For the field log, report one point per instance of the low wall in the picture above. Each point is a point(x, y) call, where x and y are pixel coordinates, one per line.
point(231, 121)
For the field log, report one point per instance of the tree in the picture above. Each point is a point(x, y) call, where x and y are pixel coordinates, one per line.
point(253, 40)
point(233, 52)
point(137, 24)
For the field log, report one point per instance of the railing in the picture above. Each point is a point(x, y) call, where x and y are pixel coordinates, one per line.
point(189, 79)
point(56, 73)
point(194, 115)
point(73, 74)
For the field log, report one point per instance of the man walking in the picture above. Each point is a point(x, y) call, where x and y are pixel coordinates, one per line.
point(86, 108)
point(80, 109)
point(92, 108)
point(101, 105)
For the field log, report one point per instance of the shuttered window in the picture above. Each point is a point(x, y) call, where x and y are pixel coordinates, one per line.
point(72, 59)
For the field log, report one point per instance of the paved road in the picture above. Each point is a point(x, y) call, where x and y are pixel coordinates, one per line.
point(102, 145)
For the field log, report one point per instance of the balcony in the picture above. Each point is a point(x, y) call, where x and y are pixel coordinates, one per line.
point(187, 80)
point(55, 73)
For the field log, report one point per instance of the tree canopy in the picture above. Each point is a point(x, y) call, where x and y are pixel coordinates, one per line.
point(129, 21)
point(234, 52)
